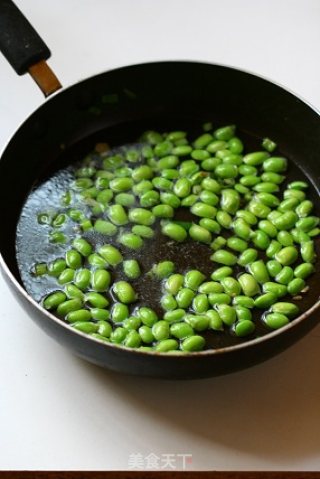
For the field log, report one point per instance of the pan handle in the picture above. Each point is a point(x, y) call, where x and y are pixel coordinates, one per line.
point(24, 48)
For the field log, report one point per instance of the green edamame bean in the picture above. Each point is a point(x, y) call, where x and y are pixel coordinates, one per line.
point(308, 223)
point(167, 345)
point(227, 314)
point(249, 285)
point(181, 330)
point(218, 243)
point(307, 252)
point(66, 276)
point(219, 298)
point(111, 254)
point(287, 255)
point(296, 286)
point(242, 229)
point(174, 283)
point(243, 301)
point(258, 209)
point(185, 297)
point(273, 177)
point(273, 267)
point(304, 208)
point(130, 240)
point(244, 328)
point(231, 286)
point(125, 199)
point(193, 279)
point(288, 309)
point(168, 302)
point(224, 257)
point(304, 270)
point(149, 198)
point(174, 231)
point(131, 323)
point(163, 211)
point(200, 303)
point(73, 259)
point(200, 155)
point(119, 312)
point(267, 199)
point(182, 187)
point(276, 320)
point(146, 334)
point(259, 271)
point(82, 278)
point(230, 201)
point(268, 145)
point(261, 240)
point(237, 244)
point(143, 172)
point(193, 344)
point(209, 198)
point(300, 236)
point(211, 185)
point(117, 215)
point(161, 330)
point(285, 275)
point(256, 158)
point(104, 328)
point(275, 164)
point(298, 185)
point(199, 233)
point(300, 195)
point(215, 322)
point(132, 339)
point(224, 171)
point(286, 221)
point(285, 238)
point(118, 335)
point(267, 187)
point(265, 300)
point(174, 315)
point(131, 268)
point(170, 199)
point(203, 210)
point(273, 248)
point(247, 216)
point(147, 316)
point(81, 245)
point(143, 231)
point(189, 200)
point(124, 292)
point(97, 261)
point(197, 322)
point(141, 216)
point(250, 180)
point(79, 315)
point(278, 289)
point(288, 204)
point(221, 273)
point(53, 300)
point(96, 300)
point(100, 280)
point(210, 225)
point(210, 287)
point(247, 257)
point(268, 228)
point(105, 227)
point(69, 305)
point(72, 291)
point(235, 145)
point(84, 326)
point(163, 269)
point(101, 315)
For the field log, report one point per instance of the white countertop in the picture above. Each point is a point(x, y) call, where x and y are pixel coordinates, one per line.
point(59, 412)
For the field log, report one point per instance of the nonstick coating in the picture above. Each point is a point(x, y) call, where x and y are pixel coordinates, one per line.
point(130, 99)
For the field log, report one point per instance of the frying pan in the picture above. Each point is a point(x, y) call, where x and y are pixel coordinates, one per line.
point(163, 94)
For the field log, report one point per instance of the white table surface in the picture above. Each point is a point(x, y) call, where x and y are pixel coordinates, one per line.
point(59, 412)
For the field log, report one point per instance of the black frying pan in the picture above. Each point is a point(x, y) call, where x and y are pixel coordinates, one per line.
point(160, 95)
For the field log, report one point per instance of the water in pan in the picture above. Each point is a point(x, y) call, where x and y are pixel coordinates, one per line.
point(32, 245)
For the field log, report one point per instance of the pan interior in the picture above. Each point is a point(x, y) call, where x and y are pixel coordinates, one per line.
point(32, 245)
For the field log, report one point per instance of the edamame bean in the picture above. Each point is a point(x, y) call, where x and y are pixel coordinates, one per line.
point(193, 279)
point(161, 330)
point(147, 316)
point(248, 257)
point(167, 345)
point(146, 334)
point(296, 286)
point(174, 231)
point(124, 292)
point(265, 300)
point(200, 303)
point(132, 339)
point(82, 278)
point(227, 314)
point(197, 322)
point(100, 280)
point(276, 320)
point(304, 270)
point(285, 275)
point(243, 301)
point(119, 312)
point(130, 240)
point(193, 344)
point(288, 309)
point(181, 330)
point(79, 315)
point(185, 297)
point(199, 233)
point(231, 286)
point(273, 267)
point(163, 269)
point(278, 289)
point(219, 298)
point(111, 254)
point(131, 268)
point(237, 244)
point(105, 227)
point(244, 328)
point(256, 158)
point(143, 231)
point(73, 259)
point(131, 323)
point(100, 314)
point(69, 305)
point(224, 257)
point(287, 255)
point(249, 285)
point(96, 300)
point(259, 271)
point(53, 300)
point(275, 164)
point(141, 216)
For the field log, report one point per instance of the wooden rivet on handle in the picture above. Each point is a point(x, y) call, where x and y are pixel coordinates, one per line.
point(45, 78)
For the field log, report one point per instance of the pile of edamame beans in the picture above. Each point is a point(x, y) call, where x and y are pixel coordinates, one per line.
point(258, 229)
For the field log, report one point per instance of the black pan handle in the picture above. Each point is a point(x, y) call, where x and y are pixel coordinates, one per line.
point(24, 48)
